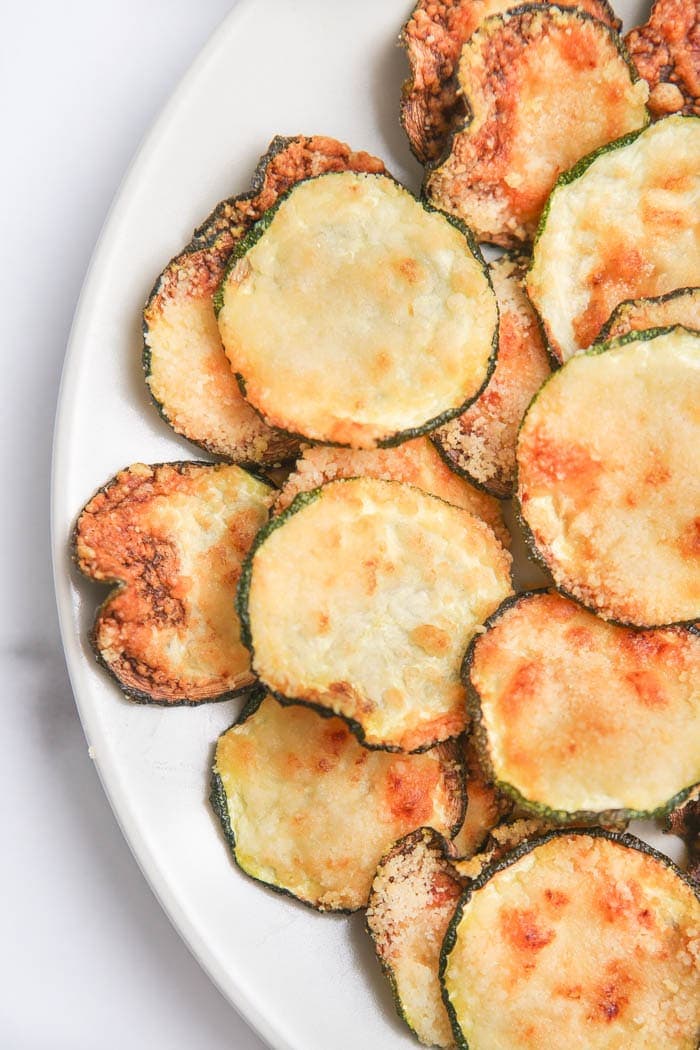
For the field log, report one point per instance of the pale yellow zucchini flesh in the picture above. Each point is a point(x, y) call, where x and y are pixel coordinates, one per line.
point(416, 462)
point(310, 812)
point(544, 86)
point(480, 444)
point(665, 51)
point(361, 599)
point(581, 939)
point(608, 480)
point(623, 224)
point(357, 315)
point(579, 718)
point(681, 306)
point(173, 537)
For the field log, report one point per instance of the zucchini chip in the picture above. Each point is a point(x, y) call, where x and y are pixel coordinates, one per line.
point(579, 719)
point(173, 538)
point(431, 105)
point(624, 223)
point(415, 462)
point(309, 811)
point(665, 51)
point(544, 85)
point(413, 898)
point(487, 805)
point(356, 315)
point(360, 599)
point(684, 821)
point(480, 444)
point(187, 372)
point(608, 481)
point(681, 306)
point(583, 939)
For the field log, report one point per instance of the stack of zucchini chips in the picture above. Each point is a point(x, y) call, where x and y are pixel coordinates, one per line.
point(420, 740)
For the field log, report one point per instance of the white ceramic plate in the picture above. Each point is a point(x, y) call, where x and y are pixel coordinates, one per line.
point(304, 981)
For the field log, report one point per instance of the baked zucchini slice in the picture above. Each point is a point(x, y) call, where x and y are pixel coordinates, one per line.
point(356, 315)
point(309, 812)
point(360, 599)
point(487, 805)
point(186, 369)
point(580, 938)
point(528, 76)
point(480, 444)
point(665, 51)
point(608, 483)
point(416, 462)
point(172, 537)
point(622, 224)
point(433, 37)
point(579, 719)
point(682, 306)
point(684, 821)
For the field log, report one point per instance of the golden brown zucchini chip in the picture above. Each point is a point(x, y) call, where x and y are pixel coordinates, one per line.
point(487, 805)
point(413, 898)
point(173, 538)
point(480, 444)
point(361, 598)
point(584, 939)
point(681, 306)
point(188, 374)
point(608, 481)
point(431, 105)
point(544, 86)
point(416, 462)
point(356, 315)
point(309, 811)
point(623, 223)
point(666, 52)
point(579, 719)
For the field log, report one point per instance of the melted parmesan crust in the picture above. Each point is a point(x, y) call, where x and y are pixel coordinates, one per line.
point(358, 316)
point(625, 225)
point(415, 462)
point(681, 306)
point(581, 717)
point(174, 537)
point(414, 896)
point(665, 52)
point(309, 811)
point(582, 935)
point(544, 86)
point(481, 442)
point(608, 482)
point(362, 602)
point(186, 369)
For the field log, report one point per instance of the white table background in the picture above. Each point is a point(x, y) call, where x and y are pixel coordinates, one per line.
point(88, 961)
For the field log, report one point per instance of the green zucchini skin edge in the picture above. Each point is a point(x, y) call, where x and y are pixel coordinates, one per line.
point(564, 179)
point(540, 809)
point(258, 229)
point(624, 839)
point(242, 596)
point(604, 334)
point(139, 696)
point(528, 537)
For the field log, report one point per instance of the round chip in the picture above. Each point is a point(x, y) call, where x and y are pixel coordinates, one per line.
point(355, 314)
point(681, 306)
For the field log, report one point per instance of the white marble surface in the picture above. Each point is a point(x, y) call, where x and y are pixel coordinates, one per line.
point(88, 959)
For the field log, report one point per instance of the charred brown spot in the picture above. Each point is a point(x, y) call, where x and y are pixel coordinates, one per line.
point(556, 898)
point(649, 691)
point(689, 542)
point(409, 793)
point(524, 931)
point(622, 275)
point(551, 460)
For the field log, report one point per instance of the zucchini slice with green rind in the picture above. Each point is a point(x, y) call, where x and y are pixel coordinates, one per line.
point(589, 937)
point(416, 462)
point(309, 811)
point(433, 37)
point(579, 719)
point(529, 76)
point(187, 372)
point(480, 444)
point(608, 484)
point(681, 306)
point(173, 538)
point(624, 223)
point(356, 315)
point(487, 805)
point(665, 51)
point(360, 598)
